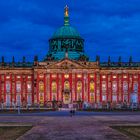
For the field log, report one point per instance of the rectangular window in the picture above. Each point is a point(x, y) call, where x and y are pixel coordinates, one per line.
point(18, 87)
point(135, 87)
point(114, 87)
point(7, 100)
point(103, 86)
point(104, 97)
point(8, 86)
point(29, 87)
point(29, 99)
point(114, 98)
point(18, 99)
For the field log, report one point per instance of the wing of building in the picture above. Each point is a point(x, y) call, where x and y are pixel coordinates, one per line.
point(67, 75)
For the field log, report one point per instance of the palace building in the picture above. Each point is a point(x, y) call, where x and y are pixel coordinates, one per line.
point(67, 75)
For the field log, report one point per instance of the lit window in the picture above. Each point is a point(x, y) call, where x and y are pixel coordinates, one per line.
point(92, 97)
point(18, 77)
point(7, 77)
point(79, 87)
point(66, 85)
point(53, 75)
point(79, 75)
point(92, 86)
point(54, 87)
point(91, 75)
point(114, 76)
point(124, 76)
point(29, 77)
point(41, 87)
point(41, 76)
point(103, 76)
point(135, 76)
point(66, 76)
point(29, 87)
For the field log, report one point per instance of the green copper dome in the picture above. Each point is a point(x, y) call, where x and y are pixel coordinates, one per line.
point(66, 39)
point(66, 32)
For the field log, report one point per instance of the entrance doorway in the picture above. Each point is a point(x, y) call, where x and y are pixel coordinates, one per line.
point(66, 97)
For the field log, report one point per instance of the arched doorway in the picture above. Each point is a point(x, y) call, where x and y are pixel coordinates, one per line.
point(66, 93)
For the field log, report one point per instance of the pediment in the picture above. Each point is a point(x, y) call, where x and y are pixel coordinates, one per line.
point(66, 64)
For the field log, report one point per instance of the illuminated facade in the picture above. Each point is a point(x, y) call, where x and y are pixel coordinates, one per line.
point(66, 75)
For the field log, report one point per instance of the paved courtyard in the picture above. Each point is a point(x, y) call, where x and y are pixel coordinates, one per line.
point(94, 127)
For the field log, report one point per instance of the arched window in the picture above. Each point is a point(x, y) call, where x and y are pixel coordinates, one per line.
point(79, 90)
point(67, 85)
point(91, 87)
point(54, 87)
point(79, 87)
point(41, 87)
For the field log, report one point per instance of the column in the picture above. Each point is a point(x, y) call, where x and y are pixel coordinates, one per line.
point(75, 87)
point(45, 85)
point(57, 83)
point(111, 86)
point(37, 88)
point(26, 92)
point(129, 87)
point(82, 86)
point(22, 86)
point(122, 87)
point(32, 79)
point(117, 87)
point(0, 88)
point(11, 89)
point(62, 87)
point(139, 88)
point(107, 86)
point(50, 87)
point(95, 87)
point(88, 84)
point(15, 93)
point(100, 87)
point(71, 86)
point(4, 87)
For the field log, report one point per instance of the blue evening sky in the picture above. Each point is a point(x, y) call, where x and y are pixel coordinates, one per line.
point(109, 27)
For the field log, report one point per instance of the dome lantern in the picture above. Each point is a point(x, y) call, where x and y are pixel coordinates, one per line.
point(66, 16)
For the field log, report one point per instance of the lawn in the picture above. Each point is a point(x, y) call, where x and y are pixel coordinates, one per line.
point(12, 132)
point(132, 131)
